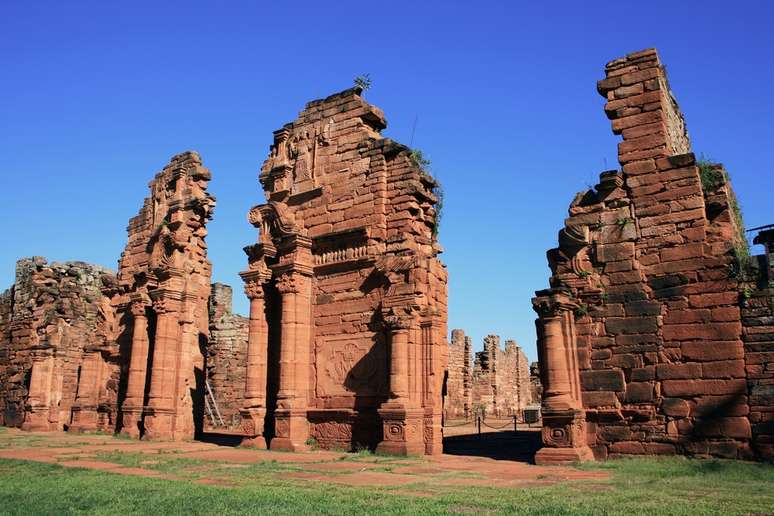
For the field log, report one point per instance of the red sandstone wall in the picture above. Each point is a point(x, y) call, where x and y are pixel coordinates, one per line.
point(500, 383)
point(459, 400)
point(646, 258)
point(367, 209)
point(53, 310)
point(226, 358)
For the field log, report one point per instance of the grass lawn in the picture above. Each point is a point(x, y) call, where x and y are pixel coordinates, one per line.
point(639, 486)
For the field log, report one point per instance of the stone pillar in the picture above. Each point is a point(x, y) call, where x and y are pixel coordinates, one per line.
point(132, 407)
point(254, 411)
point(564, 422)
point(84, 411)
point(37, 416)
point(291, 424)
point(402, 421)
point(159, 415)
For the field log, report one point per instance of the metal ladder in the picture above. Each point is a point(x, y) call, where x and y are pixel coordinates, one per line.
point(210, 403)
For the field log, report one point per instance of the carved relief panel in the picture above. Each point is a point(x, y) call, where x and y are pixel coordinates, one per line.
point(351, 364)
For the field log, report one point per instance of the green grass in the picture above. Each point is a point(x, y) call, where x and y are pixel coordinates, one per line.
point(638, 486)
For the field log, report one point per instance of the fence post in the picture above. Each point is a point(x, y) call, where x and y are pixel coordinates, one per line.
point(479, 427)
point(515, 424)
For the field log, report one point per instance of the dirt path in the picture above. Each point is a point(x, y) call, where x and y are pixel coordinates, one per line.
point(219, 465)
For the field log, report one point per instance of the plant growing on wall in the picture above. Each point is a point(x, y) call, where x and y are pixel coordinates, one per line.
point(423, 163)
point(363, 81)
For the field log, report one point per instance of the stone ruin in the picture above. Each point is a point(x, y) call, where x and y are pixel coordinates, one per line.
point(655, 336)
point(650, 339)
point(86, 350)
point(226, 361)
point(347, 295)
point(501, 385)
point(458, 401)
point(498, 384)
point(52, 316)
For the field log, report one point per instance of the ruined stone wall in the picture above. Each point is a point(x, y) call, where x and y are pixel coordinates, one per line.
point(161, 304)
point(501, 383)
point(48, 318)
point(642, 303)
point(347, 245)
point(536, 388)
point(226, 358)
point(757, 276)
point(459, 395)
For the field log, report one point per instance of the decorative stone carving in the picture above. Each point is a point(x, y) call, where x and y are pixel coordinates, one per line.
point(338, 262)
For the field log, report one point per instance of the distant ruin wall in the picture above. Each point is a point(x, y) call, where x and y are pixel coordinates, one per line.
point(501, 384)
point(226, 359)
point(459, 394)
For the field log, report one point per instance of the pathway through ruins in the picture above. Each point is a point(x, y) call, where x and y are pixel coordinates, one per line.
point(209, 463)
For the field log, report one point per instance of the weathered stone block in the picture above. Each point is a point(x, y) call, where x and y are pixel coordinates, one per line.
point(610, 380)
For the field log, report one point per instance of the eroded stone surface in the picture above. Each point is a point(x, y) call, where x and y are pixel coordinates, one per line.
point(501, 385)
point(52, 316)
point(459, 381)
point(640, 336)
point(348, 298)
point(226, 360)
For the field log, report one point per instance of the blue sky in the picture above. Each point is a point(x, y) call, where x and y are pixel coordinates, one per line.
point(97, 96)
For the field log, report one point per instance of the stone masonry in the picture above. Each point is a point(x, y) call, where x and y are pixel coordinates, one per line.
point(501, 384)
point(162, 294)
point(757, 278)
point(347, 340)
point(226, 359)
point(51, 317)
point(459, 379)
point(640, 337)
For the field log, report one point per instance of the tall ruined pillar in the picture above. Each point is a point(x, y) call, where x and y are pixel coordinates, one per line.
point(564, 423)
point(401, 417)
point(159, 415)
point(84, 411)
point(291, 426)
point(254, 411)
point(134, 401)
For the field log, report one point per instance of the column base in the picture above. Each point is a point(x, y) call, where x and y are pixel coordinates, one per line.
point(131, 422)
point(403, 430)
point(563, 456)
point(253, 426)
point(291, 428)
point(258, 442)
point(85, 419)
point(37, 421)
point(564, 436)
point(158, 424)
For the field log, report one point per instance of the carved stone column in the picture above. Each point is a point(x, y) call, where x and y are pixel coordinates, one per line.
point(159, 415)
point(37, 416)
point(132, 407)
point(291, 424)
point(254, 411)
point(84, 411)
point(402, 419)
point(564, 420)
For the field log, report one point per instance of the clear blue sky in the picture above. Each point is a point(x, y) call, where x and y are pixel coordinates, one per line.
point(95, 97)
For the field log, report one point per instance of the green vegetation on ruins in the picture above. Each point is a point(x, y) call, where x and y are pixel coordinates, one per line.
point(418, 157)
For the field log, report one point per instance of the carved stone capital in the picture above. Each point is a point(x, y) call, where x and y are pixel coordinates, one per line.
point(288, 283)
point(254, 290)
point(398, 318)
point(551, 303)
point(138, 309)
